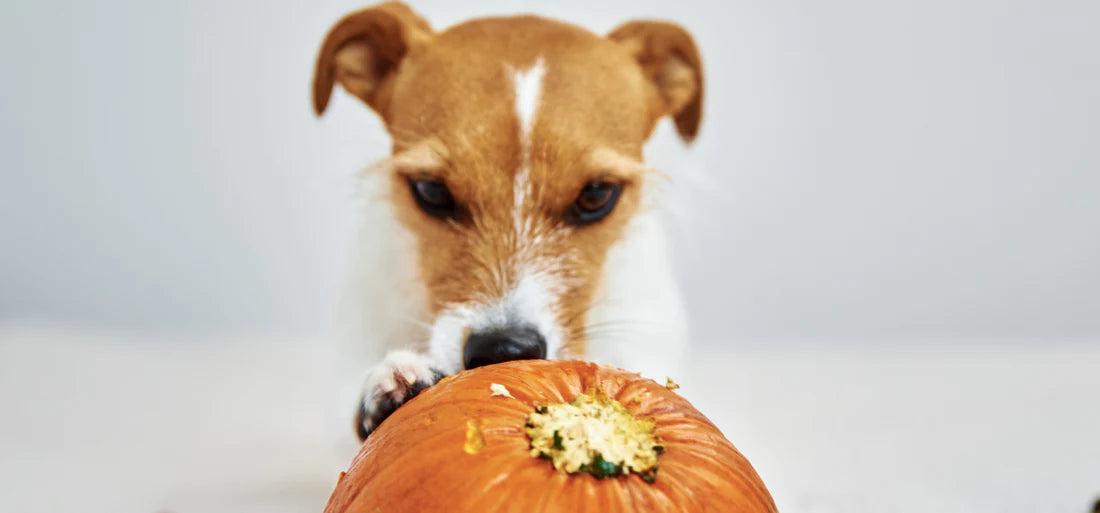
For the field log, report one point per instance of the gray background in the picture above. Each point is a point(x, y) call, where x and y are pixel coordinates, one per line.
point(867, 170)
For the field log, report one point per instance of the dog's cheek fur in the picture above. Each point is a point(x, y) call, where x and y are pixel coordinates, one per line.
point(590, 245)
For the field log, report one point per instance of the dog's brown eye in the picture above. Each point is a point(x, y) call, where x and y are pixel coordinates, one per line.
point(434, 198)
point(594, 202)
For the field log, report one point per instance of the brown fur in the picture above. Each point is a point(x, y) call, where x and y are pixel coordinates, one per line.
point(454, 92)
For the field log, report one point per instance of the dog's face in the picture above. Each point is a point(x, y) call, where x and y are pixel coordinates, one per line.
point(516, 160)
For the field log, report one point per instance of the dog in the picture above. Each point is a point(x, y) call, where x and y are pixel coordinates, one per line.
point(522, 220)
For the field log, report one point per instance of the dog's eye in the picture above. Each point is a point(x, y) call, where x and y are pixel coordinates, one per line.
point(594, 202)
point(434, 198)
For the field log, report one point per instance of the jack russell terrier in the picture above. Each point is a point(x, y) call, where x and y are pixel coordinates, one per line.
point(524, 218)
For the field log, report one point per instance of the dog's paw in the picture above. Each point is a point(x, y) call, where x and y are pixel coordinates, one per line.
point(400, 376)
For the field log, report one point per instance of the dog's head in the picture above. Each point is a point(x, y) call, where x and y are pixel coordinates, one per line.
point(517, 158)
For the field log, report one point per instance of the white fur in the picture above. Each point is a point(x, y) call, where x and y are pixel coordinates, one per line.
point(637, 320)
point(529, 302)
point(399, 371)
point(384, 313)
point(386, 305)
point(528, 91)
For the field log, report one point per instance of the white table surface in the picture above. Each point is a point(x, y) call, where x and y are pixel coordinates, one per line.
point(102, 422)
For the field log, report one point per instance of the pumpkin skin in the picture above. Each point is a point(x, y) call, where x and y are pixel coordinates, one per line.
point(416, 462)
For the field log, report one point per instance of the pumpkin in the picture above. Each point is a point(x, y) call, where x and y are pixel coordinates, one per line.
point(463, 445)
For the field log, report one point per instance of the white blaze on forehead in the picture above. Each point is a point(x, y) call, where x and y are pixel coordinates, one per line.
point(528, 89)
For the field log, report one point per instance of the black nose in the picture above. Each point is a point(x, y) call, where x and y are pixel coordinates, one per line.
point(502, 345)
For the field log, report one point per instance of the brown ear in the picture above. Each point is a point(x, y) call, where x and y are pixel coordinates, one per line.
point(670, 60)
point(362, 52)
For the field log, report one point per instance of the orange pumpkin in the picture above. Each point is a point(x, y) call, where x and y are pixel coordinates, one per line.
point(458, 448)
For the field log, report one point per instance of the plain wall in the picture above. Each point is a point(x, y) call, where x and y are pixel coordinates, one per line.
point(879, 170)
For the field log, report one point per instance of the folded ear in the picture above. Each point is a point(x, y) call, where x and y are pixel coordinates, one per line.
point(362, 52)
point(670, 60)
